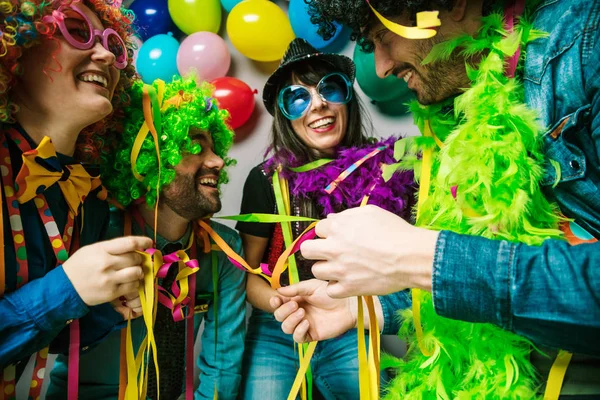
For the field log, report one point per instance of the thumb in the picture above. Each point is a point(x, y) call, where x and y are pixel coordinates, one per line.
point(304, 288)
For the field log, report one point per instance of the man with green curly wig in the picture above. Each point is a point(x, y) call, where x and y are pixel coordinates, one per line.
point(509, 107)
point(163, 197)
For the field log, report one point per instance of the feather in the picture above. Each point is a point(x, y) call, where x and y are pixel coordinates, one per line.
point(484, 182)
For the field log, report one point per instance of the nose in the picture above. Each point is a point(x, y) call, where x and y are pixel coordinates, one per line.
point(317, 102)
point(213, 161)
point(384, 65)
point(102, 55)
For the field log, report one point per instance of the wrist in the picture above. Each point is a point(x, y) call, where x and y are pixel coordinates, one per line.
point(352, 304)
point(353, 309)
point(420, 275)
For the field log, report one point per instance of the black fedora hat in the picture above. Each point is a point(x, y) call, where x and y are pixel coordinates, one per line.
point(299, 50)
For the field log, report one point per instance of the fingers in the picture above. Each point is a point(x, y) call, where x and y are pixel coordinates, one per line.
point(289, 324)
point(125, 312)
point(126, 244)
point(304, 288)
point(135, 305)
point(315, 249)
point(301, 332)
point(278, 301)
point(129, 274)
point(125, 288)
point(324, 226)
point(326, 271)
point(284, 311)
point(293, 322)
point(132, 296)
point(335, 290)
point(126, 260)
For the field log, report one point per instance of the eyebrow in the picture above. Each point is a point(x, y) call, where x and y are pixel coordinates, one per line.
point(73, 15)
point(198, 135)
point(203, 136)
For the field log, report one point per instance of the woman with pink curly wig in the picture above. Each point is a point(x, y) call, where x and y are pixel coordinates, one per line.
point(64, 66)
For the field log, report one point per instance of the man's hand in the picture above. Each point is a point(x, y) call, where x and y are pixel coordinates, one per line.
point(370, 251)
point(105, 271)
point(129, 306)
point(306, 311)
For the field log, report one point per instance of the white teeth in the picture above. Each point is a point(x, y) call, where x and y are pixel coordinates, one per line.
point(322, 122)
point(407, 76)
point(208, 181)
point(88, 77)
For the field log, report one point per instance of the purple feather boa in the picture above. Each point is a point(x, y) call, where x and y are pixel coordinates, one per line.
point(396, 195)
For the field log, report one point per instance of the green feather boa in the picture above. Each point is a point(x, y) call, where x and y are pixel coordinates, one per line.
point(491, 158)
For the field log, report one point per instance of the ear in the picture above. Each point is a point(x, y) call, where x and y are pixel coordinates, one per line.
point(459, 10)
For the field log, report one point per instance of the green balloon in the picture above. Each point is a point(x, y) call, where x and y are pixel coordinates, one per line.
point(377, 89)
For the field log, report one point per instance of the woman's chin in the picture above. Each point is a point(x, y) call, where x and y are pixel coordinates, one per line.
point(97, 112)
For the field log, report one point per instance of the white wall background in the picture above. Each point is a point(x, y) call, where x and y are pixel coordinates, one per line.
point(249, 150)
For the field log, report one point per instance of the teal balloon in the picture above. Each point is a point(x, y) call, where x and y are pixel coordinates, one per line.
point(229, 4)
point(396, 107)
point(377, 89)
point(157, 58)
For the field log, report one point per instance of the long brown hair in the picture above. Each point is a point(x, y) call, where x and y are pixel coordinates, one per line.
point(284, 138)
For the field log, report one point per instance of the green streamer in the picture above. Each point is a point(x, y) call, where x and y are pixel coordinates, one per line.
point(311, 165)
point(266, 218)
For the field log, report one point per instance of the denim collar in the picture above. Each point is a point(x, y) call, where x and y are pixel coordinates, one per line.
point(161, 242)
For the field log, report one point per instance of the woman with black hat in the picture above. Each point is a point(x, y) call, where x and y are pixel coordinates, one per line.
point(319, 131)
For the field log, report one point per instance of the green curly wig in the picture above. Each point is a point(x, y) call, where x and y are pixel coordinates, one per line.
point(200, 111)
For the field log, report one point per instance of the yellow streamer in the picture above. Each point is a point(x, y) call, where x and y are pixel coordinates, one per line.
point(557, 375)
point(369, 364)
point(224, 247)
point(425, 19)
point(363, 367)
point(304, 364)
point(288, 260)
point(374, 350)
point(136, 369)
point(425, 184)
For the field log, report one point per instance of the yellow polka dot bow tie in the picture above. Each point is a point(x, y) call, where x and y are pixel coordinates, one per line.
point(42, 169)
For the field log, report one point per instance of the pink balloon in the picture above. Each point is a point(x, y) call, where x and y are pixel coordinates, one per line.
point(206, 53)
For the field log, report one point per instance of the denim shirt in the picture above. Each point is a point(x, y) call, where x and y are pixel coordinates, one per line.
point(99, 367)
point(551, 293)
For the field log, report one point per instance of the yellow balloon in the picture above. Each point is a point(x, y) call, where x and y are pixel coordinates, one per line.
point(196, 15)
point(260, 30)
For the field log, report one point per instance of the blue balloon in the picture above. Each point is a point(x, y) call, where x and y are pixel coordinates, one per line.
point(157, 58)
point(303, 28)
point(152, 18)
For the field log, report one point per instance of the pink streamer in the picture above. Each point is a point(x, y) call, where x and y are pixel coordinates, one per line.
point(73, 376)
point(512, 11)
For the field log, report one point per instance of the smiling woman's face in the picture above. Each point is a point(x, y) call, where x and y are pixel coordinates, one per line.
point(323, 126)
point(62, 81)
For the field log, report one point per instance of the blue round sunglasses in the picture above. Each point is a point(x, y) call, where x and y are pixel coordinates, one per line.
point(294, 100)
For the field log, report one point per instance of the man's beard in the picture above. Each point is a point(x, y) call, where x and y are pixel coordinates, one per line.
point(441, 79)
point(184, 198)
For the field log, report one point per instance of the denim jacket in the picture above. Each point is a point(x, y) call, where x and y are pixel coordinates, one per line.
point(99, 367)
point(551, 293)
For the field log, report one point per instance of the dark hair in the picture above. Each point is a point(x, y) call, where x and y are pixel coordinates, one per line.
point(286, 141)
point(357, 15)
